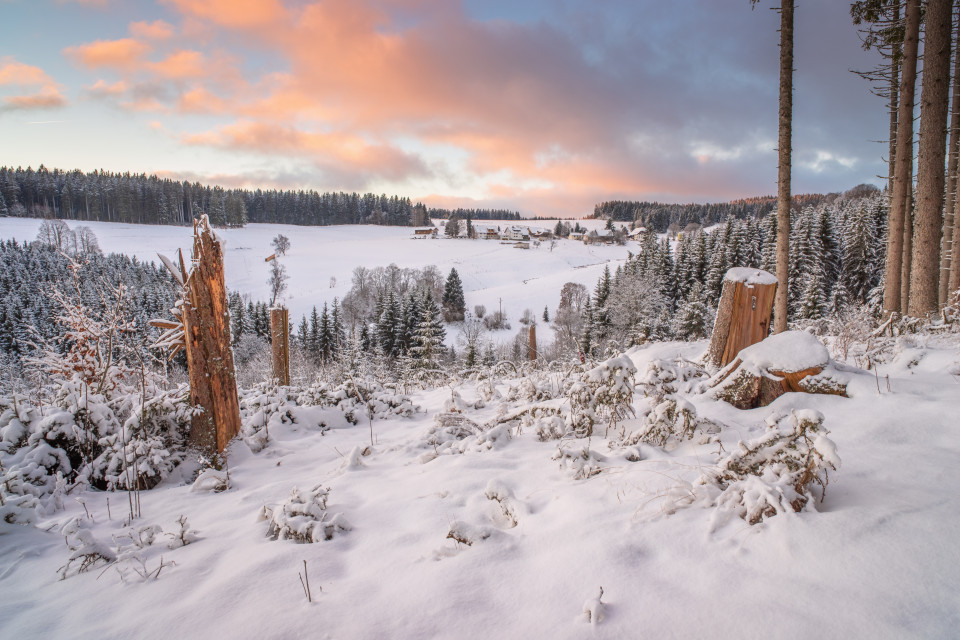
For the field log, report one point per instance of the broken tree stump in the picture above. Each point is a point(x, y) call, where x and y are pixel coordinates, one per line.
point(788, 361)
point(532, 344)
point(743, 315)
point(206, 328)
point(280, 343)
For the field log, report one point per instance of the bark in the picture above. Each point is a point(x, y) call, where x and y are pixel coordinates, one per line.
point(954, 285)
point(280, 344)
point(532, 346)
point(946, 257)
point(928, 222)
point(783, 172)
point(903, 169)
point(907, 251)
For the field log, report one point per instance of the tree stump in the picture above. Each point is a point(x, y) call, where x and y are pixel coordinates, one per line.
point(206, 326)
point(280, 342)
point(532, 346)
point(788, 361)
point(743, 316)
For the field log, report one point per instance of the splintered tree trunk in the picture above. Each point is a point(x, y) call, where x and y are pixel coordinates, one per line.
point(783, 172)
point(743, 316)
point(280, 340)
point(928, 222)
point(903, 170)
point(532, 351)
point(206, 325)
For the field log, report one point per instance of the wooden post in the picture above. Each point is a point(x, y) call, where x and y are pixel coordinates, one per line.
point(743, 316)
point(206, 326)
point(280, 340)
point(532, 347)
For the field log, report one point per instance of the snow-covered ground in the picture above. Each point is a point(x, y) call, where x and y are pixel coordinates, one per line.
point(877, 559)
point(492, 273)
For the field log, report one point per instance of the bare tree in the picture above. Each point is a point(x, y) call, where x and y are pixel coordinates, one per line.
point(57, 234)
point(281, 244)
point(277, 281)
point(925, 270)
point(86, 241)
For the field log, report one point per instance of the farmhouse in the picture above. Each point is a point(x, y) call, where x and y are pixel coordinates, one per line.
point(516, 234)
point(486, 232)
point(576, 235)
point(425, 232)
point(638, 233)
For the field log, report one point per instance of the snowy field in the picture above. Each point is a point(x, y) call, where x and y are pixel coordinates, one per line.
point(877, 559)
point(492, 273)
point(493, 531)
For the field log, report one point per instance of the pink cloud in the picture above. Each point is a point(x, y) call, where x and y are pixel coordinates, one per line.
point(156, 30)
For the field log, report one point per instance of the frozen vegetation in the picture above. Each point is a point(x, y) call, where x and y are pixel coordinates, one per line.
point(615, 496)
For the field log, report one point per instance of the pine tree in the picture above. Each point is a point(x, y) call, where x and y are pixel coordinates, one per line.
point(427, 347)
point(546, 314)
point(325, 338)
point(338, 335)
point(313, 340)
point(454, 305)
point(692, 320)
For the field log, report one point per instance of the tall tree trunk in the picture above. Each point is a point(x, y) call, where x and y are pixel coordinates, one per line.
point(907, 249)
point(949, 215)
point(893, 105)
point(783, 172)
point(954, 284)
point(934, 99)
point(903, 170)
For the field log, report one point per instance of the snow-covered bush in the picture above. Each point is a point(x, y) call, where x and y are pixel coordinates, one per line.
point(664, 377)
point(581, 462)
point(669, 423)
point(603, 394)
point(777, 472)
point(303, 517)
point(358, 398)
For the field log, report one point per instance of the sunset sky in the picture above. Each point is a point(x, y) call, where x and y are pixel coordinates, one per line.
point(545, 106)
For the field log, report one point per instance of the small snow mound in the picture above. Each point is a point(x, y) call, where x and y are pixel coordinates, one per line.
point(594, 609)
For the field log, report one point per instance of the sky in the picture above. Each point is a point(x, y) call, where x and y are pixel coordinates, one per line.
point(543, 106)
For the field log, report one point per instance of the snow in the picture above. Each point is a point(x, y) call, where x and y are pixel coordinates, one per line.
point(750, 275)
point(493, 274)
point(503, 540)
point(788, 352)
point(500, 533)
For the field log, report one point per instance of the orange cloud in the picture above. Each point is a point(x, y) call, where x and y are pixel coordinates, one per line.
point(35, 101)
point(25, 76)
point(156, 30)
point(201, 100)
point(13, 72)
point(329, 151)
point(103, 88)
point(181, 64)
point(234, 14)
point(122, 54)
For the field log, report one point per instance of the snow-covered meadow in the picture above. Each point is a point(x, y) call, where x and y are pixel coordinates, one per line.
point(321, 259)
point(468, 518)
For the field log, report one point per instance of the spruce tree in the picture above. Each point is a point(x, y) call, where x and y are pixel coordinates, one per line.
point(454, 305)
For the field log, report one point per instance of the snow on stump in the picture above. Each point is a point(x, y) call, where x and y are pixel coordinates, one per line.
point(743, 315)
point(788, 361)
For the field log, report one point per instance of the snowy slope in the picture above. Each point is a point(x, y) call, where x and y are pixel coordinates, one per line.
point(492, 273)
point(878, 558)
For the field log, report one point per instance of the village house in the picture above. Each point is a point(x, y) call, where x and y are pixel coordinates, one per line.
point(425, 232)
point(516, 234)
point(486, 232)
